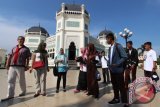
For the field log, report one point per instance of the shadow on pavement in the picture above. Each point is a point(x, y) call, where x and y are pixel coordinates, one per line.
point(104, 89)
point(14, 101)
point(52, 91)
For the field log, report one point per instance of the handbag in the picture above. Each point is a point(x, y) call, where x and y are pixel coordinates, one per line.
point(155, 76)
point(38, 64)
point(98, 76)
point(55, 69)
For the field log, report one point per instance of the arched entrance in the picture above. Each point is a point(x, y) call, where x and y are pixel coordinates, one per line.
point(72, 51)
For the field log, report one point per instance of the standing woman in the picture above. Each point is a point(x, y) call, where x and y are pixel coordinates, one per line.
point(61, 60)
point(40, 55)
point(92, 83)
point(82, 79)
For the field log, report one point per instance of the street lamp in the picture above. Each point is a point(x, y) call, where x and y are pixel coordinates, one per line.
point(126, 34)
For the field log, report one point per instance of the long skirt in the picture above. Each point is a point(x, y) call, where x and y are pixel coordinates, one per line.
point(92, 83)
point(82, 81)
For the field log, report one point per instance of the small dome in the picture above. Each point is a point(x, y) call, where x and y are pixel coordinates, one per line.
point(105, 32)
point(37, 29)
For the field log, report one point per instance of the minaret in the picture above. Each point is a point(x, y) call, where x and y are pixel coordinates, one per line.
point(63, 27)
point(72, 27)
point(83, 25)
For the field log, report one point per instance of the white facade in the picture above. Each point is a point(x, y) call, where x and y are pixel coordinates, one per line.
point(98, 46)
point(102, 40)
point(72, 28)
point(51, 43)
point(72, 33)
point(32, 39)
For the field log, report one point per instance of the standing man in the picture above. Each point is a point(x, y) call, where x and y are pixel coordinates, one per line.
point(104, 60)
point(17, 64)
point(131, 63)
point(117, 57)
point(150, 59)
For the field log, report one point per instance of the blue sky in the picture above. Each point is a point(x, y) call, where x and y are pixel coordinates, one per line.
point(142, 17)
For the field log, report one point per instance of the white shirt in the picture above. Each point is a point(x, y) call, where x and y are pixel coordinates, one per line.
point(149, 57)
point(83, 68)
point(97, 58)
point(104, 61)
point(111, 54)
point(130, 51)
point(37, 57)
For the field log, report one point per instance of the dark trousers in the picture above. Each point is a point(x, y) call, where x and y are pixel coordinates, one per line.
point(117, 80)
point(127, 75)
point(148, 73)
point(105, 72)
point(61, 74)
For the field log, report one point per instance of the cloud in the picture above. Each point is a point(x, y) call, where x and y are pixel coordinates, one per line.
point(9, 32)
point(11, 28)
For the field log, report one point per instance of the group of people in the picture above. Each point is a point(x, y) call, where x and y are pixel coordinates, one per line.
point(117, 66)
point(87, 77)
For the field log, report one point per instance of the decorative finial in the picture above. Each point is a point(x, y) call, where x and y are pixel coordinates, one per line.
point(105, 28)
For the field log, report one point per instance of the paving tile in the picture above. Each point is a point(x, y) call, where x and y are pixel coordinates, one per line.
point(67, 99)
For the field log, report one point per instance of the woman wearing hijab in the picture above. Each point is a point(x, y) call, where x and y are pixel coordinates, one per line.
point(61, 60)
point(82, 80)
point(92, 83)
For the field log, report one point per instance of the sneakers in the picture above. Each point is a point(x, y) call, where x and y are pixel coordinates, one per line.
point(57, 91)
point(114, 101)
point(22, 94)
point(36, 95)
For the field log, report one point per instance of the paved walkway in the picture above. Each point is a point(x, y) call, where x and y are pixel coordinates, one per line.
point(68, 99)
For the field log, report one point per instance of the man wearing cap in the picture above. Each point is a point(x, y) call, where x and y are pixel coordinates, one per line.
point(17, 64)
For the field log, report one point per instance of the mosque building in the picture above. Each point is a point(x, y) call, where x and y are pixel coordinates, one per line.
point(72, 33)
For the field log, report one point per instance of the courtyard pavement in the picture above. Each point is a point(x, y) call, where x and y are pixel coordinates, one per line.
point(67, 99)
